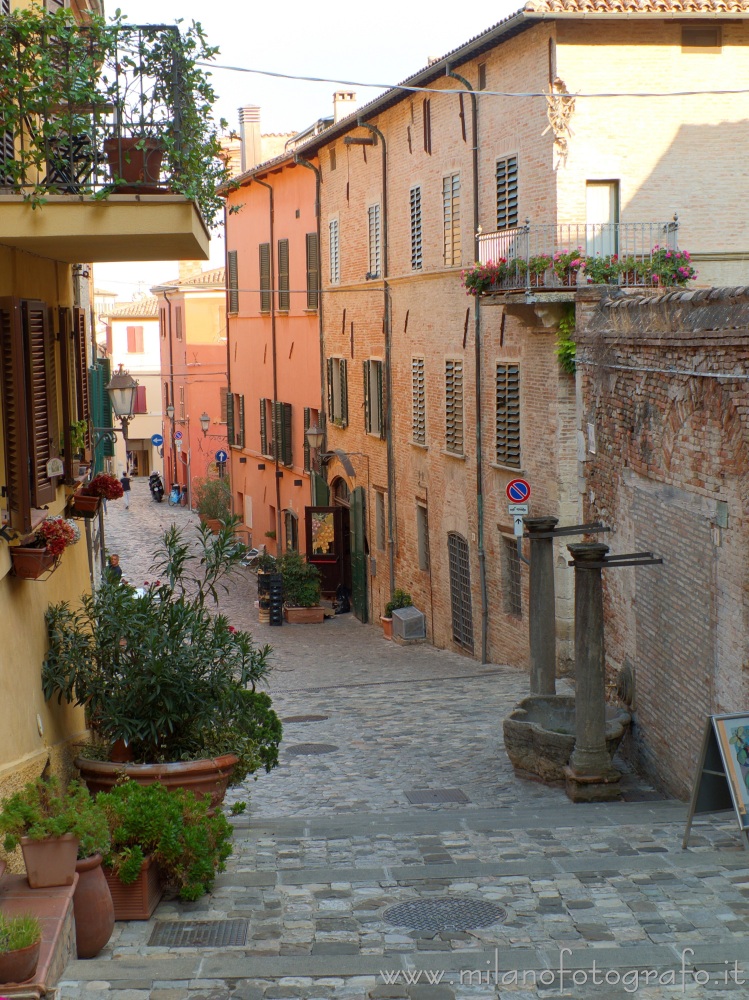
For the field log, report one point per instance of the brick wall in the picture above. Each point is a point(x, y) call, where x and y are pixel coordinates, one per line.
point(670, 473)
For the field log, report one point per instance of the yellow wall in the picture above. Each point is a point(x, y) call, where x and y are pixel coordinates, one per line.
point(205, 318)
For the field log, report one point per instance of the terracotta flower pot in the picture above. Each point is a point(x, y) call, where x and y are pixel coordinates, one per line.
point(19, 966)
point(138, 899)
point(135, 164)
point(30, 563)
point(387, 627)
point(304, 616)
point(50, 862)
point(84, 505)
point(92, 907)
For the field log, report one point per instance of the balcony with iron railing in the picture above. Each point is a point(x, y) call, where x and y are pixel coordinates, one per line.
point(560, 257)
point(112, 115)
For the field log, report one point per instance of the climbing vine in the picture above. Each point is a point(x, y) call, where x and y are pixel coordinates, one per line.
point(565, 344)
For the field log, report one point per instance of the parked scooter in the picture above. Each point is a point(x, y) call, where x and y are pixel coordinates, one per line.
point(156, 487)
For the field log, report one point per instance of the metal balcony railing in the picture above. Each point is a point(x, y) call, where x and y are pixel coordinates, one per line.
point(72, 122)
point(565, 255)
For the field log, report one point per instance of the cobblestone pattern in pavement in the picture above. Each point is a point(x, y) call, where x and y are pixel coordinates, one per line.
point(329, 842)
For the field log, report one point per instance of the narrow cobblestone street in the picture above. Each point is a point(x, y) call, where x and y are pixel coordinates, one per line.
point(330, 840)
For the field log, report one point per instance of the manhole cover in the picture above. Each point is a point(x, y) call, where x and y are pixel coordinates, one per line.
point(449, 914)
point(198, 933)
point(433, 796)
point(307, 749)
point(305, 718)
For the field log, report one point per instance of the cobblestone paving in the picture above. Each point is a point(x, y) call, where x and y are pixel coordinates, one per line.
point(330, 842)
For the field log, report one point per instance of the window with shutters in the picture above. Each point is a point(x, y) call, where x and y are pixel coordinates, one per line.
point(335, 263)
point(454, 406)
point(178, 322)
point(267, 428)
point(223, 391)
point(460, 590)
point(233, 282)
point(284, 295)
point(418, 402)
point(310, 417)
point(380, 534)
point(166, 395)
point(291, 530)
point(422, 536)
point(338, 391)
point(511, 580)
point(417, 259)
point(28, 376)
point(139, 404)
point(80, 360)
point(375, 248)
point(373, 412)
point(265, 287)
point(235, 419)
point(427, 114)
point(162, 322)
point(135, 340)
point(508, 415)
point(451, 218)
point(313, 271)
point(282, 432)
point(507, 192)
point(181, 402)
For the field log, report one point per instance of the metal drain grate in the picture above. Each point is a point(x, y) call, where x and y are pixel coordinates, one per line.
point(305, 718)
point(447, 914)
point(198, 933)
point(433, 796)
point(307, 749)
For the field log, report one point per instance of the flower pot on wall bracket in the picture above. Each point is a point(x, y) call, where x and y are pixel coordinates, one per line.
point(135, 164)
point(82, 505)
point(32, 563)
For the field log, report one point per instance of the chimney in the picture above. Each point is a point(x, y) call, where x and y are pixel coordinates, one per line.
point(249, 132)
point(343, 104)
point(189, 269)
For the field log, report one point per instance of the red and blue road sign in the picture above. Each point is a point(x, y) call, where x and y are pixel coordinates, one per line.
point(518, 491)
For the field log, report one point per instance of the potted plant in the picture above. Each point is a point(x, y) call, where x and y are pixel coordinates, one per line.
point(538, 265)
point(567, 265)
point(479, 278)
point(78, 432)
point(213, 501)
point(602, 270)
point(20, 943)
point(41, 550)
point(158, 671)
point(399, 599)
point(92, 901)
point(670, 268)
point(301, 590)
point(85, 501)
point(48, 822)
point(161, 837)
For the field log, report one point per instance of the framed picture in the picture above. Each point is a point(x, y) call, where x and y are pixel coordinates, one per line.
point(732, 732)
point(722, 779)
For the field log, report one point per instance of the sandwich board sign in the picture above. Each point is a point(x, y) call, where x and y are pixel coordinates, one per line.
point(722, 781)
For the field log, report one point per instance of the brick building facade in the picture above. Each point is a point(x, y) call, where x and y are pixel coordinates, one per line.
point(664, 425)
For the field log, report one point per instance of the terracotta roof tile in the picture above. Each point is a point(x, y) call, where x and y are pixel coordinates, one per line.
point(637, 6)
point(145, 308)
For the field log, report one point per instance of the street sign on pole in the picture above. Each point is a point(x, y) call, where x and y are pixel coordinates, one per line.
point(157, 440)
point(518, 491)
point(517, 509)
point(178, 435)
point(221, 456)
point(517, 525)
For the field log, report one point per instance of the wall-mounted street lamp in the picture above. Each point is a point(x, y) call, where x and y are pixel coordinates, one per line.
point(205, 422)
point(315, 437)
point(170, 411)
point(122, 390)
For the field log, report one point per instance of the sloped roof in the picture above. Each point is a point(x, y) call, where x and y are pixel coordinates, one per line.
point(145, 308)
point(637, 6)
point(216, 276)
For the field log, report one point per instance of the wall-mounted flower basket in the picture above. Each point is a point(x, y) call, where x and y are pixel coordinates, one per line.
point(84, 506)
point(33, 563)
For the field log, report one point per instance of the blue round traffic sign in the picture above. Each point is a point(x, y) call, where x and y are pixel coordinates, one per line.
point(178, 435)
point(221, 456)
point(518, 491)
point(157, 440)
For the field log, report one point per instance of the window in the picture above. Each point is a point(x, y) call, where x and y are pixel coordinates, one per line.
point(451, 217)
point(162, 322)
point(418, 404)
point(335, 264)
point(332, 159)
point(139, 404)
point(267, 423)
point(507, 192)
point(166, 395)
point(265, 289)
point(380, 520)
point(235, 419)
point(182, 402)
point(422, 536)
point(178, 322)
point(5, 7)
point(284, 296)
point(80, 358)
point(135, 340)
point(338, 391)
point(454, 406)
point(29, 400)
point(460, 590)
point(427, 109)
point(701, 38)
point(482, 76)
point(508, 415)
point(374, 242)
point(291, 530)
point(313, 271)
point(416, 246)
point(512, 584)
point(233, 283)
point(223, 394)
point(282, 432)
point(373, 414)
point(307, 449)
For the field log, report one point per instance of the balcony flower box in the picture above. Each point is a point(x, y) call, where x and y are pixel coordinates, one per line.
point(40, 552)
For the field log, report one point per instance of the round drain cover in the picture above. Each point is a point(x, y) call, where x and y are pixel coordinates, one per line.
point(446, 914)
point(305, 718)
point(303, 749)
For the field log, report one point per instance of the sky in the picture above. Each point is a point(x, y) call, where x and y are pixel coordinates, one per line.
point(354, 42)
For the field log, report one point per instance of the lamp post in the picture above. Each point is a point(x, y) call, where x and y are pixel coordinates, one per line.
point(122, 390)
point(205, 422)
point(315, 437)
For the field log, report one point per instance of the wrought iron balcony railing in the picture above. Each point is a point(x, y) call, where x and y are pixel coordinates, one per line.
point(565, 255)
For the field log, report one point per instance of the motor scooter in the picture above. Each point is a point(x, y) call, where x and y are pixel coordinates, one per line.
point(156, 487)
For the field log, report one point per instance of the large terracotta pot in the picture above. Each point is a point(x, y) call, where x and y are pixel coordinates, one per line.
point(135, 164)
point(29, 563)
point(304, 616)
point(138, 899)
point(19, 966)
point(50, 862)
point(92, 907)
point(200, 776)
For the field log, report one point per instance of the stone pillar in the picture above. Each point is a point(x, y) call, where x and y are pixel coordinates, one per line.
point(542, 611)
point(590, 776)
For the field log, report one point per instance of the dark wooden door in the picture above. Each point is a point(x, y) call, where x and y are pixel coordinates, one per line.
point(326, 546)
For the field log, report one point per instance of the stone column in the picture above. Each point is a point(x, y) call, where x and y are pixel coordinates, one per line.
point(590, 776)
point(542, 616)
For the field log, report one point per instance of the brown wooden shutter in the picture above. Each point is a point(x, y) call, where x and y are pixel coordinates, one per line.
point(15, 428)
point(331, 398)
point(265, 290)
point(367, 408)
point(284, 296)
point(263, 428)
point(427, 107)
point(230, 432)
point(307, 420)
point(241, 422)
point(343, 370)
point(83, 410)
point(286, 415)
point(233, 282)
point(67, 380)
point(381, 428)
point(178, 322)
point(40, 370)
point(313, 276)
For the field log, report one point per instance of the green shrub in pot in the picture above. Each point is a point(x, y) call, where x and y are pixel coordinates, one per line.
point(301, 581)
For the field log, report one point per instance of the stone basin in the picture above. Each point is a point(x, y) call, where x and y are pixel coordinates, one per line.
point(540, 735)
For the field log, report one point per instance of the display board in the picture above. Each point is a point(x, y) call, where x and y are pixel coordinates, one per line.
point(722, 780)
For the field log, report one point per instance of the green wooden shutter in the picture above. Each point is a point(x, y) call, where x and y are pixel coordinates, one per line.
point(343, 370)
point(277, 430)
point(367, 408)
point(14, 403)
point(40, 369)
point(313, 278)
point(233, 282)
point(320, 491)
point(307, 419)
point(358, 554)
point(263, 428)
point(104, 369)
point(265, 289)
point(241, 421)
point(286, 418)
point(284, 296)
point(230, 418)
point(331, 410)
point(381, 410)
